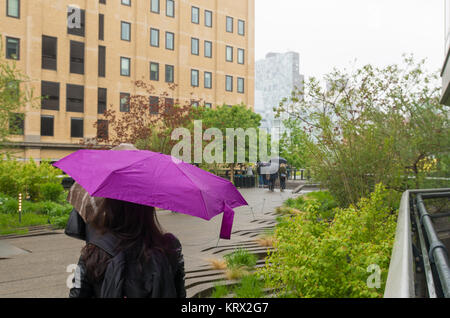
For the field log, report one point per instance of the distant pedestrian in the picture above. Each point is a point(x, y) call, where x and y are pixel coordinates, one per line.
point(272, 179)
point(283, 174)
point(260, 176)
point(249, 171)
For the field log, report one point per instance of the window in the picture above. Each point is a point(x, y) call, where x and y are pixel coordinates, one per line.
point(50, 95)
point(170, 8)
point(12, 90)
point(102, 129)
point(195, 15)
point(47, 125)
point(194, 46)
point(241, 27)
point(76, 18)
point(76, 57)
point(101, 100)
point(240, 85)
point(168, 104)
point(170, 41)
point(208, 49)
point(101, 27)
point(169, 74)
point(208, 105)
point(229, 83)
point(194, 103)
point(240, 56)
point(102, 1)
point(230, 24)
point(74, 98)
point(125, 31)
point(229, 54)
point(154, 71)
point(208, 80)
point(76, 127)
point(126, 2)
point(16, 123)
point(154, 6)
point(154, 37)
point(208, 18)
point(125, 66)
point(13, 8)
point(124, 102)
point(154, 105)
point(49, 52)
point(12, 48)
point(101, 61)
point(194, 78)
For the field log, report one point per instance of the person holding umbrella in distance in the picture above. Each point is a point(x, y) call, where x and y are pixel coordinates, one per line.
point(277, 163)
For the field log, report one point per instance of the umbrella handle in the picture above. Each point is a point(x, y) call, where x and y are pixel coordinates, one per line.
point(227, 223)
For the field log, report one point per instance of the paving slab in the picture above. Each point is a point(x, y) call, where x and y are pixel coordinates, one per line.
point(8, 250)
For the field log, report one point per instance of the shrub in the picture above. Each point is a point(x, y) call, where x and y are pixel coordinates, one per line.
point(249, 287)
point(220, 291)
point(316, 258)
point(60, 221)
point(25, 177)
point(51, 192)
point(235, 273)
point(8, 205)
point(52, 209)
point(240, 258)
point(32, 214)
point(322, 202)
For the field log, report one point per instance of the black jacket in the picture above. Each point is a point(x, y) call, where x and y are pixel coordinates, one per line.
point(160, 277)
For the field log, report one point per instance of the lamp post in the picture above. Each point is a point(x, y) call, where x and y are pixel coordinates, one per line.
point(20, 207)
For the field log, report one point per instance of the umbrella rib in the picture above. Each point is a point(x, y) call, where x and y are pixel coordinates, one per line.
point(201, 193)
point(109, 175)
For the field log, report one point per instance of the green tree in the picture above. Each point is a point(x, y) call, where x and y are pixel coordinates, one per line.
point(234, 117)
point(293, 143)
point(14, 95)
point(372, 125)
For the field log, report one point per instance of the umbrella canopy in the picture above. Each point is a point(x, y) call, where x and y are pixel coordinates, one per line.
point(82, 202)
point(154, 179)
point(278, 160)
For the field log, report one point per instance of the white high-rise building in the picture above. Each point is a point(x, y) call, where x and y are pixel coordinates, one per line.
point(445, 99)
point(276, 77)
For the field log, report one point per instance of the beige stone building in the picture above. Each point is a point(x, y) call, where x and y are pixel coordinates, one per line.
point(83, 55)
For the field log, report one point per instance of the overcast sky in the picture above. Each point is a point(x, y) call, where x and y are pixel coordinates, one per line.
point(332, 33)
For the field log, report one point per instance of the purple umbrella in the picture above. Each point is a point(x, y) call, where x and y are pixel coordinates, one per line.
point(154, 179)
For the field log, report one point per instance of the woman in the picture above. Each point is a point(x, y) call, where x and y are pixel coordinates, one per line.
point(128, 256)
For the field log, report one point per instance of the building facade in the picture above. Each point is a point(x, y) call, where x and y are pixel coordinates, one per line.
point(276, 77)
point(84, 56)
point(445, 99)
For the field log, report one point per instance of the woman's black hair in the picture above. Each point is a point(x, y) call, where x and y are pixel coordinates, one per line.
point(137, 229)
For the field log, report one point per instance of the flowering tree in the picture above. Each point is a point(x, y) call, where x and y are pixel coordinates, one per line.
point(145, 120)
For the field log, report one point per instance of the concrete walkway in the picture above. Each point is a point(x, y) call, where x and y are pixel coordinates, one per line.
point(44, 266)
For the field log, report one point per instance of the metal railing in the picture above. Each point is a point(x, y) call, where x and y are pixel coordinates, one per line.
point(417, 249)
